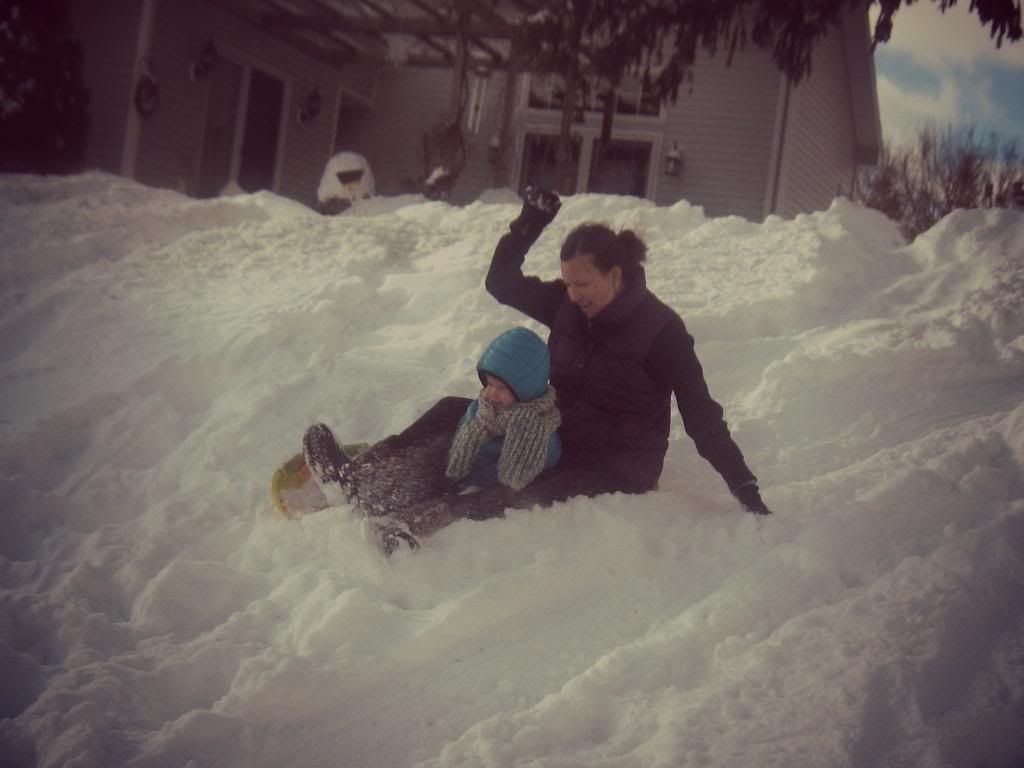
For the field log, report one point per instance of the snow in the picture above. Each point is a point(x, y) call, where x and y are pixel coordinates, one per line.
point(339, 187)
point(161, 355)
point(436, 175)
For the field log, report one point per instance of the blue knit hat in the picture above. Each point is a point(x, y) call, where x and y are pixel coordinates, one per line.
point(519, 357)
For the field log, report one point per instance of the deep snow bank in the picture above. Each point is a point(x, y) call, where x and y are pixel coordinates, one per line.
point(160, 355)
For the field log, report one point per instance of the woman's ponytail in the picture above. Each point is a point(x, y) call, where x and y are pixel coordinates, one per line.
point(632, 252)
point(624, 249)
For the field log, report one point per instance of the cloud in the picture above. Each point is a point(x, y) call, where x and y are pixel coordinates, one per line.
point(944, 69)
point(944, 41)
point(905, 111)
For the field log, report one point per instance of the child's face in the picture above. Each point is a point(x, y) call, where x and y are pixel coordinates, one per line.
point(497, 391)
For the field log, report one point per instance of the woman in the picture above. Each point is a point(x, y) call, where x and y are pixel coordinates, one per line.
point(617, 355)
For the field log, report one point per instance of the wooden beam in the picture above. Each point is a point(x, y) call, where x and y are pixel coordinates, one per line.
point(395, 25)
point(384, 13)
point(473, 63)
point(329, 9)
point(339, 56)
point(488, 16)
point(310, 29)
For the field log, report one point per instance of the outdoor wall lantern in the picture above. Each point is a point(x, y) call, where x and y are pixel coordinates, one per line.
point(311, 108)
point(674, 160)
point(203, 64)
point(494, 149)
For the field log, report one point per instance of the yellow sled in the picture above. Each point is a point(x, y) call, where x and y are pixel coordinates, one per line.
point(293, 489)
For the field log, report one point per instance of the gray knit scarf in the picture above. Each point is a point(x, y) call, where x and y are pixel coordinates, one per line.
point(527, 427)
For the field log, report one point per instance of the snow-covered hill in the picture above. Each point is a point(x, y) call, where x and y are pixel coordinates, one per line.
point(159, 356)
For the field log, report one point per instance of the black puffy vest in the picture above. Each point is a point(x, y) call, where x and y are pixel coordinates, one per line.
point(609, 404)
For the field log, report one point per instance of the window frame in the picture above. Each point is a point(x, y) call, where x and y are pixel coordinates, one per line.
point(593, 107)
point(588, 136)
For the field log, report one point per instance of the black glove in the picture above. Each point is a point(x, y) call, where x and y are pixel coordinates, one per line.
point(391, 538)
point(749, 496)
point(539, 208)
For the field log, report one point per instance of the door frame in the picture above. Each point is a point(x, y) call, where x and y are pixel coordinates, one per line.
point(247, 64)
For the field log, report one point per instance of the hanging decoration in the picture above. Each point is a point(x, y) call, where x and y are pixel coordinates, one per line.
point(444, 144)
point(204, 63)
point(147, 90)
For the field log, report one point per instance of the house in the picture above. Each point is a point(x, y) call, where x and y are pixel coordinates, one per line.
point(186, 94)
point(261, 93)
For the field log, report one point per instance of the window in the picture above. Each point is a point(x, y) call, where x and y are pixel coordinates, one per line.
point(620, 167)
point(546, 91)
point(540, 166)
point(631, 98)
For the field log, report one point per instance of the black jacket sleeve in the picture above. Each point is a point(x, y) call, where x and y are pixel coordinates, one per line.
point(507, 283)
point(673, 362)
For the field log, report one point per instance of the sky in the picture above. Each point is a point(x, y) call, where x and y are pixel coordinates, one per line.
point(946, 69)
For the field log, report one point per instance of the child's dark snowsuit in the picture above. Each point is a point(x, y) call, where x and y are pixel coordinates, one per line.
point(403, 477)
point(461, 458)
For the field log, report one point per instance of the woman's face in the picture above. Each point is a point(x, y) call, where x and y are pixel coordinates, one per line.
point(497, 391)
point(589, 288)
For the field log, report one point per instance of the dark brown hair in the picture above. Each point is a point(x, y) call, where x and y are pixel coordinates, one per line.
point(609, 249)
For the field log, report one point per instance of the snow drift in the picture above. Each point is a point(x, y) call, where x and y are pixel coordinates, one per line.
point(161, 355)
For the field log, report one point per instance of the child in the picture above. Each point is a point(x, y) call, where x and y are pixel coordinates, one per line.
point(508, 434)
point(414, 483)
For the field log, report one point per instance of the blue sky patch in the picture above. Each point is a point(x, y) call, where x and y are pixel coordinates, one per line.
point(899, 67)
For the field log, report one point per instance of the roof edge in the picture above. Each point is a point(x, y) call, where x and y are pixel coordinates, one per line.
point(860, 66)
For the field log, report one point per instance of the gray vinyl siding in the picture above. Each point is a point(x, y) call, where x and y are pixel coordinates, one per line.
point(407, 103)
point(724, 126)
point(390, 136)
point(480, 173)
point(725, 129)
point(107, 31)
point(751, 145)
point(819, 150)
point(308, 147)
point(171, 140)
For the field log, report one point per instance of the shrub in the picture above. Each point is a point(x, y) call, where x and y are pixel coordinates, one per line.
point(917, 184)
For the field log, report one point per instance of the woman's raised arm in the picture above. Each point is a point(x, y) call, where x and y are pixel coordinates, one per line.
point(505, 279)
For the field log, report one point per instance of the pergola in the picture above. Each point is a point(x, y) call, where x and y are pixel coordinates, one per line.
point(420, 33)
point(463, 36)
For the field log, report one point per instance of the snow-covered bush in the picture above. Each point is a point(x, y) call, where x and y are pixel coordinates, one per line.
point(346, 178)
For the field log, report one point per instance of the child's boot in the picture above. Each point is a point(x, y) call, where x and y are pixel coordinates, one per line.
point(323, 455)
